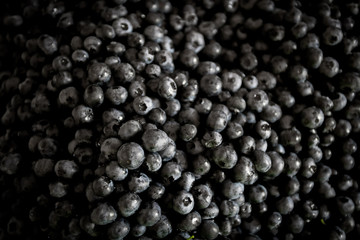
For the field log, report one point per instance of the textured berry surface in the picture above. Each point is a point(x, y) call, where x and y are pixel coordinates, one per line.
point(164, 119)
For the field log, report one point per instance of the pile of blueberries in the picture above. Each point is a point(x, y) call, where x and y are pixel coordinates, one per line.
point(165, 119)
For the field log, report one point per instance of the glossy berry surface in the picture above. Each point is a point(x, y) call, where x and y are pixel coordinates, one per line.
point(163, 119)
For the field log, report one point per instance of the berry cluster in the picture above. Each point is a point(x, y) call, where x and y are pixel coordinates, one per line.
point(161, 119)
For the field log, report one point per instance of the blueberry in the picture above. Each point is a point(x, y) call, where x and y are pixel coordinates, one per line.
point(211, 212)
point(251, 225)
point(155, 140)
point(142, 105)
point(212, 50)
point(149, 214)
point(350, 81)
point(129, 129)
point(138, 230)
point(217, 120)
point(225, 227)
point(209, 230)
point(247, 145)
point(188, 132)
point(234, 130)
point(244, 171)
point(262, 161)
point(116, 95)
point(167, 88)
point(332, 36)
point(10, 163)
point(329, 67)
point(202, 195)
point(128, 204)
point(66, 168)
point(154, 33)
point(345, 182)
point(190, 93)
point(92, 44)
point(93, 96)
point(299, 30)
point(313, 57)
point(80, 56)
point(312, 117)
point(186, 180)
point(277, 165)
point(285, 205)
point(171, 128)
point(257, 100)
point(348, 224)
point(156, 191)
point(115, 172)
point(274, 220)
point(61, 79)
point(130, 155)
point(58, 189)
point(326, 190)
point(189, 58)
point(153, 162)
point(190, 222)
point(201, 165)
point(345, 205)
point(290, 137)
point(337, 233)
point(176, 22)
point(103, 186)
point(138, 182)
point(173, 107)
point(224, 156)
point(103, 214)
point(257, 193)
point(42, 167)
point(88, 226)
point(229, 208)
point(296, 223)
point(112, 114)
point(165, 61)
point(124, 72)
point(82, 114)
point(248, 61)
point(162, 228)
point(119, 229)
point(68, 97)
point(169, 152)
point(99, 73)
point(183, 202)
point(122, 27)
point(349, 45)
point(171, 172)
point(47, 44)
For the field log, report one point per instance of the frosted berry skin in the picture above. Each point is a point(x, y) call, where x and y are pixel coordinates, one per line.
point(142, 105)
point(212, 119)
point(128, 204)
point(139, 182)
point(149, 214)
point(190, 221)
point(312, 117)
point(162, 228)
point(129, 129)
point(103, 186)
point(183, 202)
point(66, 168)
point(225, 157)
point(118, 229)
point(103, 214)
point(155, 140)
point(130, 155)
